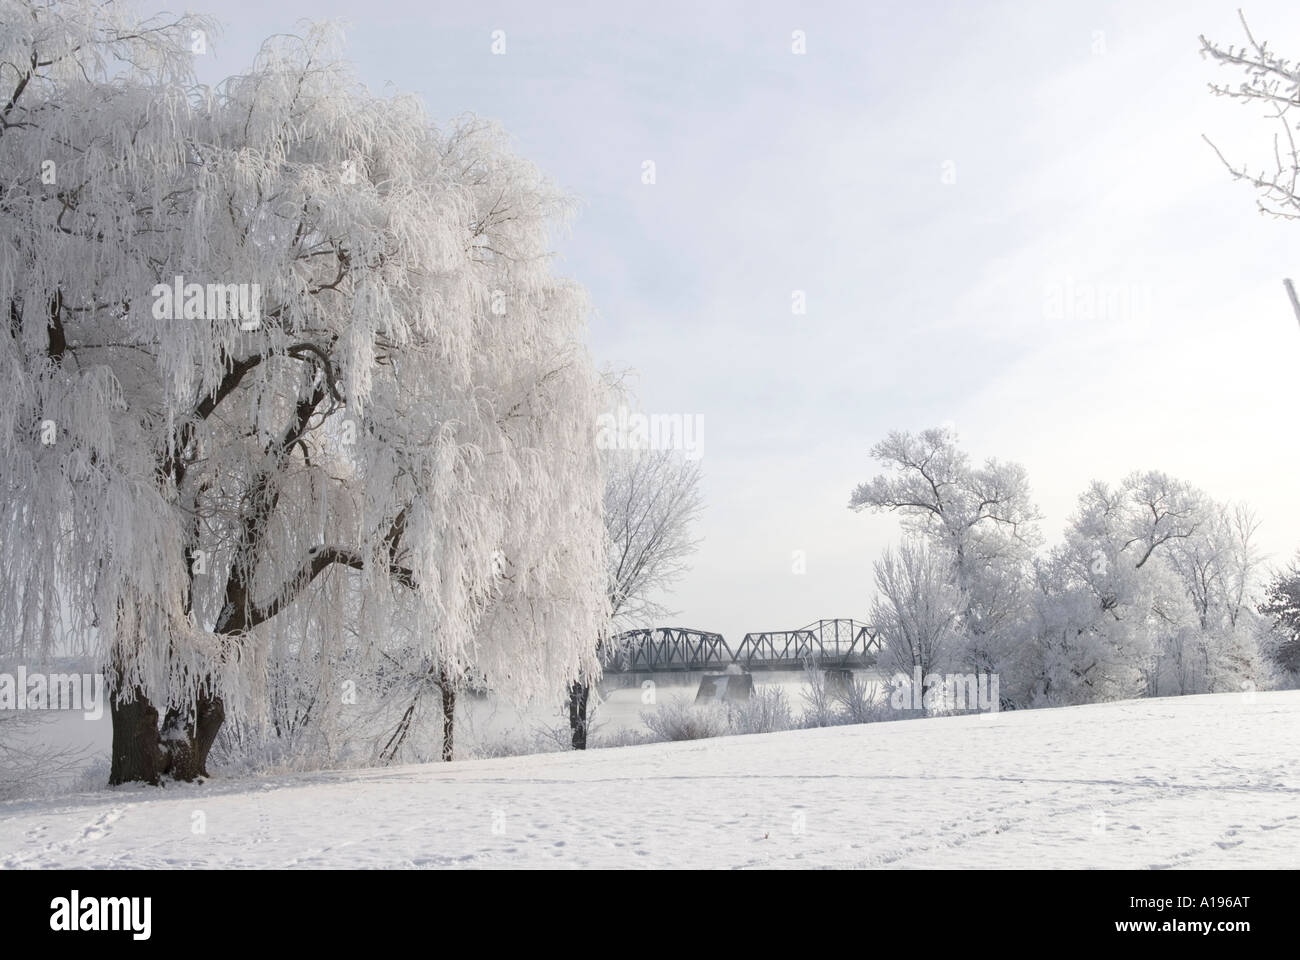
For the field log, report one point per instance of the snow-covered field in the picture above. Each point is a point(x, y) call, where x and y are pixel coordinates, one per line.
point(1210, 781)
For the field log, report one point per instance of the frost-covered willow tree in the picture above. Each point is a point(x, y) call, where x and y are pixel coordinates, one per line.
point(281, 356)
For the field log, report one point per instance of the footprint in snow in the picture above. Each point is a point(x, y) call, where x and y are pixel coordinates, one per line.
point(100, 827)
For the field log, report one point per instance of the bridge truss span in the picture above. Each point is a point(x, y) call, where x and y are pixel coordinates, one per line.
point(827, 643)
point(667, 649)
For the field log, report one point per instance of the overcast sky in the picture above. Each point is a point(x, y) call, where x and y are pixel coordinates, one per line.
point(947, 182)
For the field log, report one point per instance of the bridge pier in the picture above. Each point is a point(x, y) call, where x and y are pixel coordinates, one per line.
point(611, 681)
point(838, 679)
point(725, 688)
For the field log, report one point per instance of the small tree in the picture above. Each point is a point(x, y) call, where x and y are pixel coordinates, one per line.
point(1148, 595)
point(1109, 603)
point(1281, 605)
point(915, 611)
point(979, 519)
point(652, 497)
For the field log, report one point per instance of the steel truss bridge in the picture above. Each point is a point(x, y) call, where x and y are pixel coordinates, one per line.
point(828, 643)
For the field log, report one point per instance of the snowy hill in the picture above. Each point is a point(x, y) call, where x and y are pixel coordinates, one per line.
point(1209, 781)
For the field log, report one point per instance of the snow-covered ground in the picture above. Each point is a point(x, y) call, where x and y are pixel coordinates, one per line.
point(1210, 781)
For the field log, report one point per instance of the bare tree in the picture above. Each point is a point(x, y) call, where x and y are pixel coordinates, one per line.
point(818, 699)
point(1218, 567)
point(916, 609)
point(859, 697)
point(28, 762)
point(1273, 83)
point(979, 518)
point(651, 499)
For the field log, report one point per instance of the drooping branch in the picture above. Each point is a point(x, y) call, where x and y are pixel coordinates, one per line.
point(18, 92)
point(319, 559)
point(174, 465)
point(58, 340)
point(263, 496)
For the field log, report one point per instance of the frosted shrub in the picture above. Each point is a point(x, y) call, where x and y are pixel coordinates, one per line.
point(678, 719)
point(624, 738)
point(819, 707)
point(517, 743)
point(29, 764)
point(860, 702)
point(766, 711)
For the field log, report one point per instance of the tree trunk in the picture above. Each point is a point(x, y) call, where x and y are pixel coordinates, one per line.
point(189, 740)
point(448, 715)
point(137, 751)
point(579, 692)
point(143, 754)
